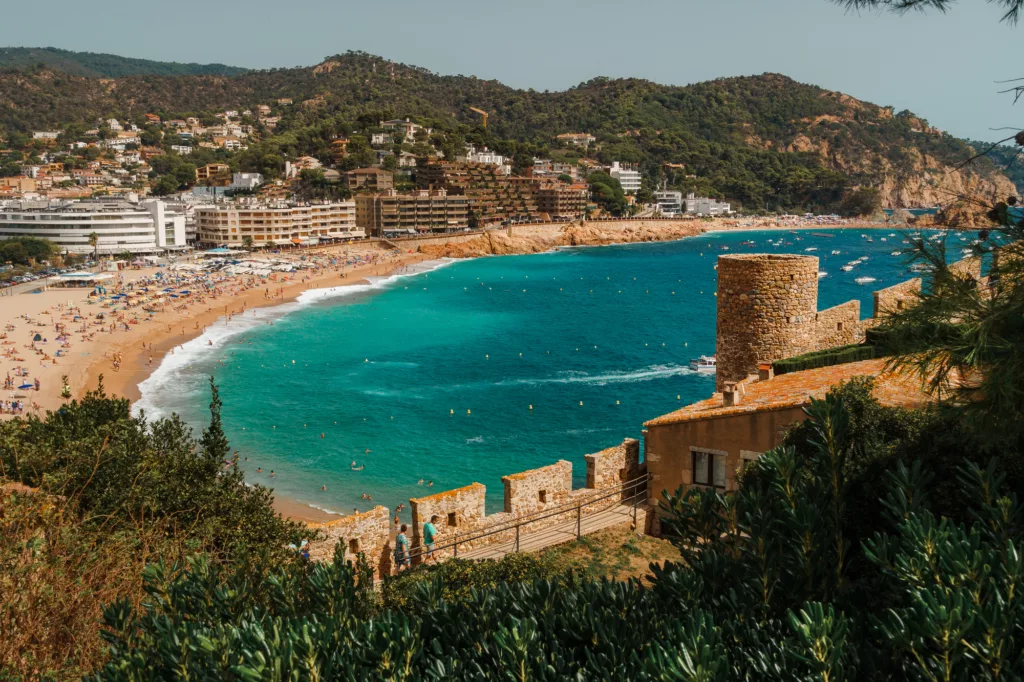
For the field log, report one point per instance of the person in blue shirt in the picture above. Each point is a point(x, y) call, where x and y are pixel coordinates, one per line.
point(429, 536)
point(402, 560)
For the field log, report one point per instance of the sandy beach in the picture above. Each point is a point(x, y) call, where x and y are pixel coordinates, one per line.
point(128, 342)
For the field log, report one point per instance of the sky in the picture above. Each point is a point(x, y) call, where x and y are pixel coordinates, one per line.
point(943, 67)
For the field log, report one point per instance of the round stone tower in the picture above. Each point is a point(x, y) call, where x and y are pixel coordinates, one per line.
point(767, 305)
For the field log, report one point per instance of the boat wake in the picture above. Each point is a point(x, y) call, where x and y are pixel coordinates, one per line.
point(651, 373)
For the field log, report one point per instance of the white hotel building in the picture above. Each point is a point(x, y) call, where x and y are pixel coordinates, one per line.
point(119, 225)
point(276, 225)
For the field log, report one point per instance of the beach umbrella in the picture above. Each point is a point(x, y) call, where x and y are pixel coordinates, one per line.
point(37, 337)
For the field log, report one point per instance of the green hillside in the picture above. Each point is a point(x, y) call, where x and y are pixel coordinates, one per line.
point(765, 142)
point(98, 65)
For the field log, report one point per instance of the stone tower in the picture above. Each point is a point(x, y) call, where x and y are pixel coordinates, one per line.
point(767, 306)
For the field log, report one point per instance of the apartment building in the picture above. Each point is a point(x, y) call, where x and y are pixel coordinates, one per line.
point(494, 196)
point(390, 213)
point(215, 174)
point(629, 178)
point(560, 201)
point(149, 227)
point(370, 179)
point(276, 225)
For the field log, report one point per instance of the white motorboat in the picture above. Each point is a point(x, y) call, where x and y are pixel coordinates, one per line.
point(864, 280)
point(836, 253)
point(705, 364)
point(822, 273)
point(895, 253)
point(846, 268)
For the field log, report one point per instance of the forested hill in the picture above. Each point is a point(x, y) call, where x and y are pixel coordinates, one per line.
point(104, 65)
point(762, 141)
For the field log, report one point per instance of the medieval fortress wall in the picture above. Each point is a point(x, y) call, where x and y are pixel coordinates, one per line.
point(462, 512)
point(768, 310)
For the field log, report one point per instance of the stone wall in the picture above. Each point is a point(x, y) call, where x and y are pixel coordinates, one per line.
point(613, 466)
point(605, 469)
point(366, 532)
point(838, 326)
point(968, 266)
point(767, 307)
point(533, 491)
point(896, 298)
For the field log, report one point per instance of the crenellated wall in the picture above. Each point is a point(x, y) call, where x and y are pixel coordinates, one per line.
point(366, 532)
point(538, 489)
point(839, 326)
point(897, 297)
point(526, 493)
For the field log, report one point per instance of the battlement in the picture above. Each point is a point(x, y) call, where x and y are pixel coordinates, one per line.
point(462, 511)
point(768, 310)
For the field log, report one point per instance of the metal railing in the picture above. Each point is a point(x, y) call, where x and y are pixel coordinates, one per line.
point(635, 491)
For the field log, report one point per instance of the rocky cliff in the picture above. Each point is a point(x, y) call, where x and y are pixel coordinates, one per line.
point(538, 239)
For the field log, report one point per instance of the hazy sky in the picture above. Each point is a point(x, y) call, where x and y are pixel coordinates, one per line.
point(941, 66)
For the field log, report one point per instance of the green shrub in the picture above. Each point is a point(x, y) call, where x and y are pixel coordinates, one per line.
point(825, 358)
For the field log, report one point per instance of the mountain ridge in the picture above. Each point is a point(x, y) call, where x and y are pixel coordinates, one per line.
point(104, 65)
point(766, 141)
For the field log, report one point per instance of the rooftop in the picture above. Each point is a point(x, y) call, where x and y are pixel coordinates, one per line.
point(798, 388)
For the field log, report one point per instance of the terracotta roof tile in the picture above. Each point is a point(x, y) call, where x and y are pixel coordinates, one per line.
point(797, 388)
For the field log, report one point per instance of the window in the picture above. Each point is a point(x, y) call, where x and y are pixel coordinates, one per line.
point(451, 520)
point(543, 495)
point(839, 326)
point(353, 546)
point(709, 468)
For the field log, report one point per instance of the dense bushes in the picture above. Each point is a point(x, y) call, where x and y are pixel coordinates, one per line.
point(112, 493)
point(780, 581)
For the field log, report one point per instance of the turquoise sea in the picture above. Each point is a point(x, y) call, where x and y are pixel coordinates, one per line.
point(432, 375)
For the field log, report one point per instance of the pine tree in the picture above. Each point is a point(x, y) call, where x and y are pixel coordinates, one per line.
point(215, 443)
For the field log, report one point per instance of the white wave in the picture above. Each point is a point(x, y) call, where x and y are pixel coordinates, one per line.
point(166, 378)
point(325, 510)
point(477, 439)
point(646, 374)
point(314, 295)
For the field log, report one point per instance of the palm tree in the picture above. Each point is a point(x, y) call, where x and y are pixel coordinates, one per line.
point(94, 241)
point(247, 243)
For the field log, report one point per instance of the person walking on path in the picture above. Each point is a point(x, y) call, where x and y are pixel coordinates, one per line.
point(429, 537)
point(402, 560)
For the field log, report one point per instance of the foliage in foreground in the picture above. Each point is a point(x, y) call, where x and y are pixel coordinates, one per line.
point(772, 586)
point(110, 494)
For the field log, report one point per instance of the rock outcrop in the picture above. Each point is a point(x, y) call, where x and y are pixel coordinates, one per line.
point(538, 239)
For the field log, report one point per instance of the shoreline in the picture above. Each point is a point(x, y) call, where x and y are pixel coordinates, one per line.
point(144, 352)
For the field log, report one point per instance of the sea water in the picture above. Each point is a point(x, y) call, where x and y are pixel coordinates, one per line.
point(465, 371)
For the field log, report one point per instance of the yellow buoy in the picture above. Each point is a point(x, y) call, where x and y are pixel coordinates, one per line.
point(531, 407)
point(366, 360)
point(468, 412)
point(581, 403)
point(293, 362)
point(616, 402)
point(273, 427)
point(451, 411)
point(678, 398)
point(520, 355)
point(487, 357)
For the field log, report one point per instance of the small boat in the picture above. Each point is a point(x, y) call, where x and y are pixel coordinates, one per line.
point(864, 280)
point(846, 268)
point(703, 364)
point(811, 248)
point(822, 273)
point(836, 253)
point(895, 253)
point(870, 240)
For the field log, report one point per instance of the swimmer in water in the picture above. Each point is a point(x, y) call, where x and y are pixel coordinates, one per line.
point(259, 470)
point(323, 487)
